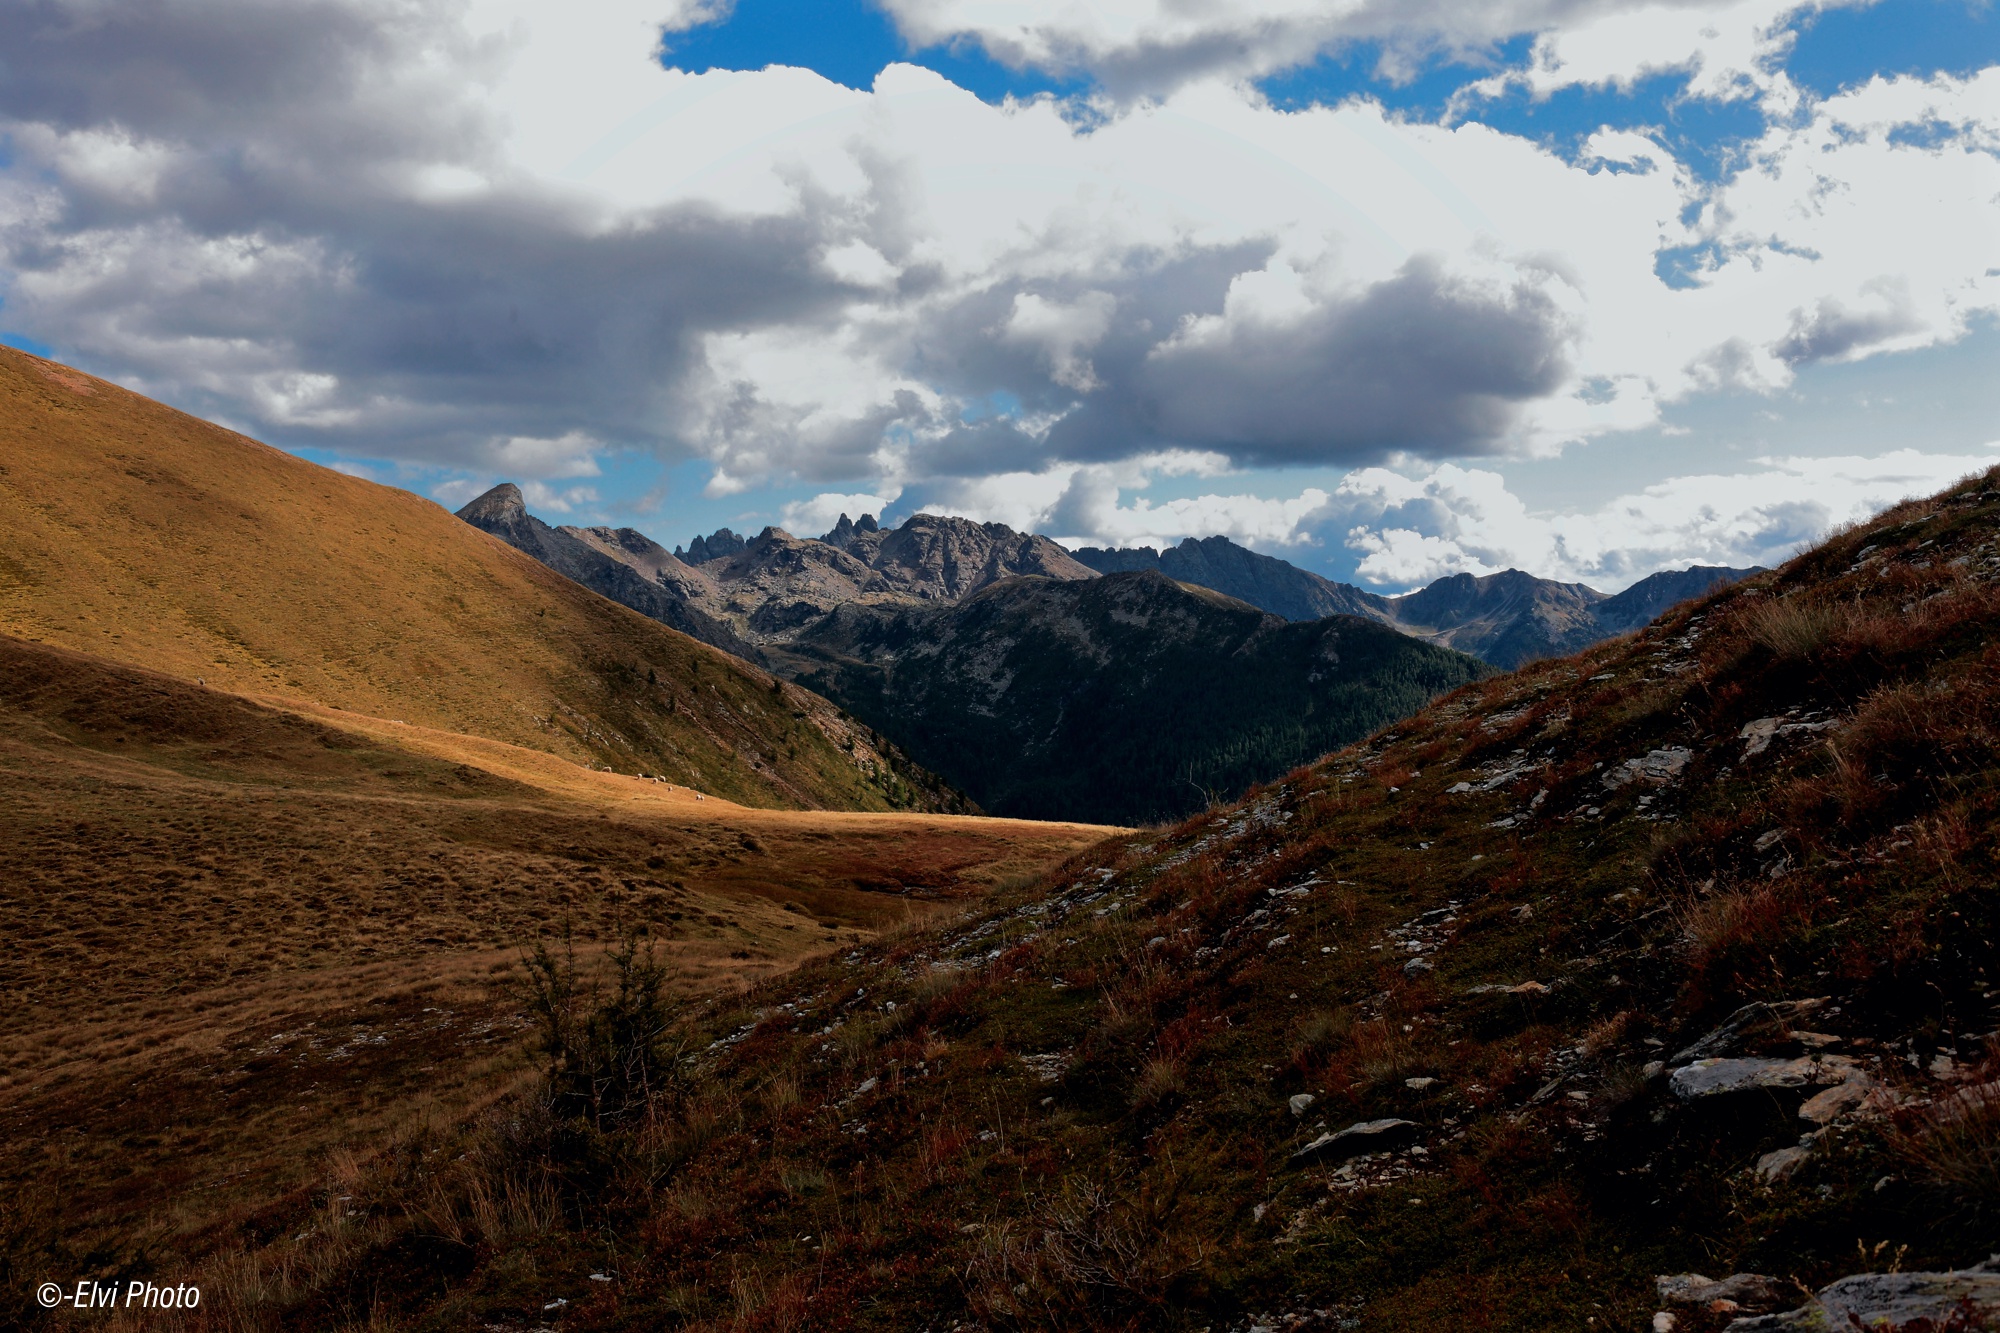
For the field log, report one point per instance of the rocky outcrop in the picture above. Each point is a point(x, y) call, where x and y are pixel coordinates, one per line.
point(503, 512)
point(1369, 1136)
point(1966, 1300)
point(845, 531)
point(718, 545)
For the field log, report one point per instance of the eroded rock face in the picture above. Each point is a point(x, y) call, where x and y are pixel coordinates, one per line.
point(1959, 1301)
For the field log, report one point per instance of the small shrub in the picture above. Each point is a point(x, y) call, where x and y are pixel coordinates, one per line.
point(605, 1052)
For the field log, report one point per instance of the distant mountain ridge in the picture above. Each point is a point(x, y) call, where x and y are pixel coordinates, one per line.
point(1130, 698)
point(745, 594)
point(620, 564)
point(1505, 619)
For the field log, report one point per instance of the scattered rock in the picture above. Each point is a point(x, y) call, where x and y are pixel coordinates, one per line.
point(1750, 1293)
point(1416, 967)
point(1712, 1078)
point(1747, 1021)
point(1823, 1108)
point(1366, 1137)
point(1889, 1302)
point(1419, 1084)
point(1300, 1101)
point(1764, 730)
point(1775, 1166)
point(1657, 768)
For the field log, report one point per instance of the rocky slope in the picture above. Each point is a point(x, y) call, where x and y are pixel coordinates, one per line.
point(1672, 958)
point(1506, 619)
point(145, 536)
point(742, 593)
point(623, 565)
point(1123, 699)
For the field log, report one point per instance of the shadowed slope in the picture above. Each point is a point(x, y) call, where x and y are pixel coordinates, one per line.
point(139, 533)
point(1127, 698)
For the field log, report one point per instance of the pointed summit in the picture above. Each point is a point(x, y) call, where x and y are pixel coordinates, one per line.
point(503, 504)
point(843, 533)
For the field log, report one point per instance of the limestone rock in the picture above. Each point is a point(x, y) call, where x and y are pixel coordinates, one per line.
point(1749, 1293)
point(1367, 1136)
point(1713, 1078)
point(1749, 1021)
point(1890, 1302)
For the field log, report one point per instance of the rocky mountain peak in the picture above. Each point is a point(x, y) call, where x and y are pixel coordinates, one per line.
point(846, 530)
point(504, 505)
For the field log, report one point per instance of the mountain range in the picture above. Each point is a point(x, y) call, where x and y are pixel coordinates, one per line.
point(1026, 679)
point(1047, 699)
point(1504, 619)
point(744, 593)
point(1129, 698)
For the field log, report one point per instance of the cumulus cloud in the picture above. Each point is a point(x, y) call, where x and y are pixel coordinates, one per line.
point(500, 235)
point(1137, 47)
point(1411, 529)
point(814, 517)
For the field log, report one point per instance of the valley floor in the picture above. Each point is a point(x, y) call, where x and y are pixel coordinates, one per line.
point(252, 936)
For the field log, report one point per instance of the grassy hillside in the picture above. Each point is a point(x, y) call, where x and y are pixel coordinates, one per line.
point(134, 532)
point(1763, 831)
point(1127, 699)
point(246, 940)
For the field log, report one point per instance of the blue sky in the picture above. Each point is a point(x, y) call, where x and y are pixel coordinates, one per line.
point(1585, 289)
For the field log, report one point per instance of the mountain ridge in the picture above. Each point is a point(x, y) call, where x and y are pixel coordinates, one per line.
point(134, 532)
point(1128, 698)
point(1505, 618)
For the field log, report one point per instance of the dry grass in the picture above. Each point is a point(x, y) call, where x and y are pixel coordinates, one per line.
point(137, 533)
point(249, 940)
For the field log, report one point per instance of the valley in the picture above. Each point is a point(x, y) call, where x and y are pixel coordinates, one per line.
point(293, 767)
point(1536, 995)
point(1668, 959)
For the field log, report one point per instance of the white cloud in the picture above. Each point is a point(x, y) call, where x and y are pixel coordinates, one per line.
point(546, 498)
point(1412, 529)
point(811, 518)
point(572, 454)
point(498, 235)
point(1153, 46)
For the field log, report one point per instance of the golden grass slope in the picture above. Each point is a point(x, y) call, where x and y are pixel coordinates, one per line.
point(242, 938)
point(138, 533)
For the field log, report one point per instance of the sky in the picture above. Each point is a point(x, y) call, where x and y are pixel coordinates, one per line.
point(1392, 289)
